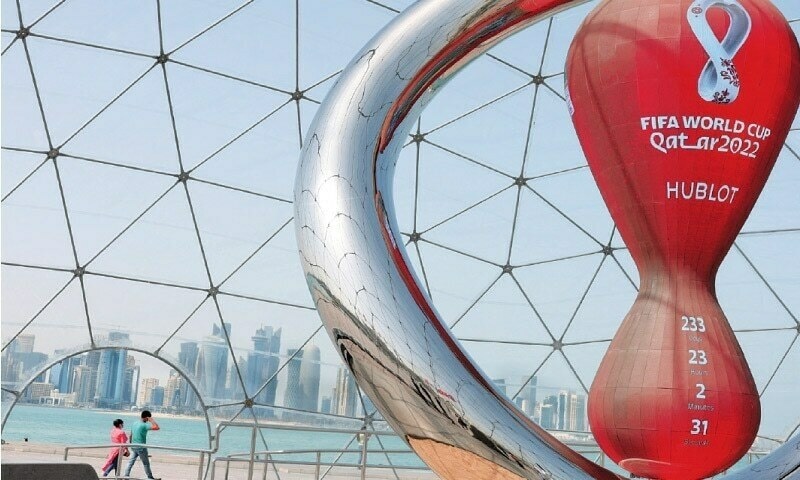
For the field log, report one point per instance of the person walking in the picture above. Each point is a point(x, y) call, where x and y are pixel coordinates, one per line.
point(139, 435)
point(118, 435)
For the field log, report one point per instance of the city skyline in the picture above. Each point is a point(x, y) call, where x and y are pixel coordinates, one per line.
point(101, 379)
point(163, 369)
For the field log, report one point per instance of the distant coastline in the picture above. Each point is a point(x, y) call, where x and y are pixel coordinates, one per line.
point(84, 426)
point(134, 411)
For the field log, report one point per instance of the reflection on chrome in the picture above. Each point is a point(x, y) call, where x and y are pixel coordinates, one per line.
point(383, 324)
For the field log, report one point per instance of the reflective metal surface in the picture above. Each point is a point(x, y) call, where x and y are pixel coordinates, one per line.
point(359, 274)
point(782, 464)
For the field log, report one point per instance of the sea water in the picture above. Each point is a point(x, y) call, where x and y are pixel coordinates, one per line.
point(74, 426)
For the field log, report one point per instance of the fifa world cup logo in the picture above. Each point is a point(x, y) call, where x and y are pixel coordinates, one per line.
point(680, 162)
point(719, 81)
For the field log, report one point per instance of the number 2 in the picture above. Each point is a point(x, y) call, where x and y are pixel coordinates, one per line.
point(701, 390)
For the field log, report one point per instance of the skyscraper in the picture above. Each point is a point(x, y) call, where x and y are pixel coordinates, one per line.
point(217, 332)
point(187, 359)
point(130, 388)
point(157, 397)
point(549, 412)
point(111, 373)
point(309, 378)
point(569, 411)
point(293, 395)
point(110, 378)
point(256, 372)
point(234, 388)
point(172, 390)
point(135, 375)
point(11, 367)
point(53, 373)
point(273, 363)
point(262, 338)
point(580, 413)
point(212, 364)
point(176, 398)
point(528, 394)
point(63, 381)
point(146, 391)
point(325, 405)
point(564, 403)
point(262, 364)
point(572, 416)
point(92, 359)
point(22, 344)
point(19, 360)
point(345, 394)
point(84, 381)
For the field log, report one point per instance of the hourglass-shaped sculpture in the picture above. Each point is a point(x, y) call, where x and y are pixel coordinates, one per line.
point(681, 107)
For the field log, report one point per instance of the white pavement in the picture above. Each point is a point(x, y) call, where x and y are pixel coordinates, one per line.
point(174, 467)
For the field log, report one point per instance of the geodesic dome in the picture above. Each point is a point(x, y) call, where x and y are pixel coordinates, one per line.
point(148, 165)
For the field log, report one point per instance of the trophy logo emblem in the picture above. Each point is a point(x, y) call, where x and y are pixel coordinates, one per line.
point(719, 80)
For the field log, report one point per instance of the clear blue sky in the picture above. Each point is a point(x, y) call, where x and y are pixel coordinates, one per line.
point(253, 176)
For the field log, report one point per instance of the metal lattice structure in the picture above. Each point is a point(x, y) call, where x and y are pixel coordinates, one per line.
point(148, 162)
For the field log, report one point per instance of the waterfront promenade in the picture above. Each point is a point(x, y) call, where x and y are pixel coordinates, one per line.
point(177, 467)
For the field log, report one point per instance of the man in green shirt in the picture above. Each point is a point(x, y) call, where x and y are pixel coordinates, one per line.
point(139, 435)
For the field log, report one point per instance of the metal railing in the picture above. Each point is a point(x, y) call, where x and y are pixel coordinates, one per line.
point(202, 452)
point(267, 458)
point(363, 436)
point(253, 457)
point(318, 462)
point(120, 457)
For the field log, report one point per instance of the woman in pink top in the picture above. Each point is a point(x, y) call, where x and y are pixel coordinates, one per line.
point(118, 435)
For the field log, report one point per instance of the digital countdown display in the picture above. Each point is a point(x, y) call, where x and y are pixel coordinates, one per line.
point(682, 108)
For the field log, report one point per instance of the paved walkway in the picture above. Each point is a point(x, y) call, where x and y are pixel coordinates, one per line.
point(174, 467)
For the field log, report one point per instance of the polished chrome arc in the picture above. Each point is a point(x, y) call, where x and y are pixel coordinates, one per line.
point(781, 464)
point(361, 280)
point(383, 324)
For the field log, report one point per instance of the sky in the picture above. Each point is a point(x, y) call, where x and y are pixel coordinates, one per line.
point(239, 132)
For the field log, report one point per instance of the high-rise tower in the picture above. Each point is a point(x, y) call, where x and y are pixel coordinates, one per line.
point(345, 394)
point(212, 363)
point(309, 378)
point(187, 359)
point(111, 373)
point(293, 395)
point(262, 364)
point(66, 373)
